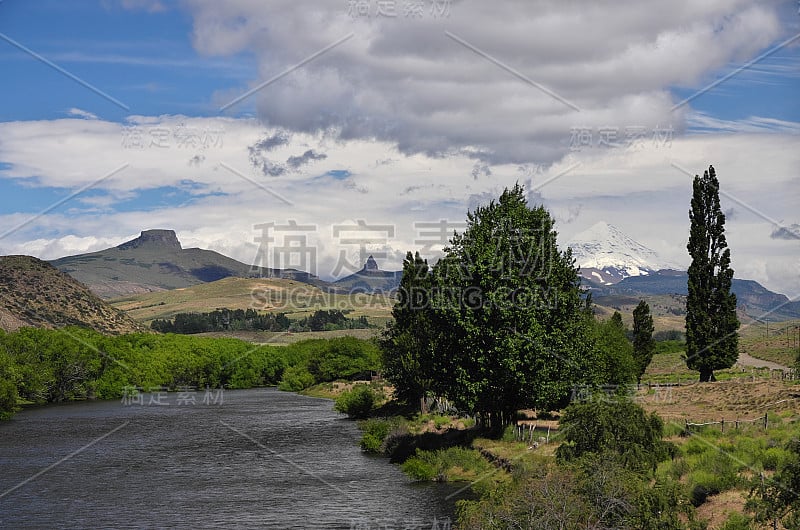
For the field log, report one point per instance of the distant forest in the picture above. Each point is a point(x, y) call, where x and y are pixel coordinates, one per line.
point(251, 320)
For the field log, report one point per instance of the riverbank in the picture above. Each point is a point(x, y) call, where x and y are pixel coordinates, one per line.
point(707, 483)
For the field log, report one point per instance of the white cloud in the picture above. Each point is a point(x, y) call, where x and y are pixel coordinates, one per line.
point(420, 127)
point(80, 113)
point(407, 81)
point(636, 188)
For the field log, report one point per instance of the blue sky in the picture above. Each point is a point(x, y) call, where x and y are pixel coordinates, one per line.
point(399, 118)
point(144, 60)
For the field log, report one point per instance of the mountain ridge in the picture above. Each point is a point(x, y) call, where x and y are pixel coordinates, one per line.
point(156, 261)
point(607, 255)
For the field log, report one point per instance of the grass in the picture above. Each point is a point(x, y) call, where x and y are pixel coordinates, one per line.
point(715, 469)
point(775, 345)
point(294, 298)
point(454, 464)
point(282, 338)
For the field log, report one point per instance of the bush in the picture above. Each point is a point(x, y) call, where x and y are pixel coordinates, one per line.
point(714, 472)
point(736, 521)
point(702, 485)
point(295, 379)
point(453, 463)
point(419, 469)
point(356, 403)
point(375, 432)
point(618, 427)
point(774, 458)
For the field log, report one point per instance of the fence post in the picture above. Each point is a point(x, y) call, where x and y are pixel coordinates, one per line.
point(722, 423)
point(766, 420)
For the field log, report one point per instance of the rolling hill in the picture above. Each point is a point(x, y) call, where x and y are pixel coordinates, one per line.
point(297, 299)
point(34, 293)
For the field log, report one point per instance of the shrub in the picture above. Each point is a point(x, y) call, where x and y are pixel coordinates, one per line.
point(356, 403)
point(295, 379)
point(375, 432)
point(618, 427)
point(455, 463)
point(736, 521)
point(774, 458)
point(419, 469)
point(713, 471)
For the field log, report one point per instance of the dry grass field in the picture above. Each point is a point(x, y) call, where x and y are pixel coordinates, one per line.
point(296, 299)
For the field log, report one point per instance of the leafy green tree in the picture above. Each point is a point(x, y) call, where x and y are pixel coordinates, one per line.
point(643, 343)
point(344, 358)
point(615, 427)
point(509, 318)
point(711, 321)
point(615, 351)
point(8, 382)
point(408, 345)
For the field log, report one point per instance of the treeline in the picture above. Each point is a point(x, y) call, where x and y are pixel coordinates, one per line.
point(252, 320)
point(44, 366)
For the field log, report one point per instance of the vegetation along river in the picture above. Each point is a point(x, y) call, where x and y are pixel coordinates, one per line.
point(246, 458)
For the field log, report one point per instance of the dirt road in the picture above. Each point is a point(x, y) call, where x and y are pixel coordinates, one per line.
point(747, 360)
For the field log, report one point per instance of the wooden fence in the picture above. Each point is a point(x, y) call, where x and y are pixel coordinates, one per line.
point(525, 433)
point(761, 421)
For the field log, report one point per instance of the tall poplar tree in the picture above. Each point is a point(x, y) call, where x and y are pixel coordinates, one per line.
point(408, 345)
point(711, 321)
point(643, 343)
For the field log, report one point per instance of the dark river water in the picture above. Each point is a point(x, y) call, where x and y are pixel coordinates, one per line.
point(256, 458)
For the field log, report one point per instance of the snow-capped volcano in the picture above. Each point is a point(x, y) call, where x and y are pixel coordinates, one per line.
point(606, 255)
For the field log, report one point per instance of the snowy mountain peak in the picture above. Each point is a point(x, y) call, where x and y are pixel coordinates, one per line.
point(607, 255)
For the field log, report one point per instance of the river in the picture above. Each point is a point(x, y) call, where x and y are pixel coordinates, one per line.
point(247, 458)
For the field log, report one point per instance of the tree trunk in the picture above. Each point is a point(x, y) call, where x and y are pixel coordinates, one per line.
point(707, 375)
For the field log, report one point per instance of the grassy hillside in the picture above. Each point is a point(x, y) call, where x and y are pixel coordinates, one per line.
point(34, 293)
point(297, 299)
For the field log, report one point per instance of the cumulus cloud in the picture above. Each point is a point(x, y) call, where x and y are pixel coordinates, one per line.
point(619, 185)
point(507, 81)
point(271, 141)
point(414, 120)
point(295, 162)
point(790, 232)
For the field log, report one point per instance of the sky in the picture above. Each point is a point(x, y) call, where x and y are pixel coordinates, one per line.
point(312, 134)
